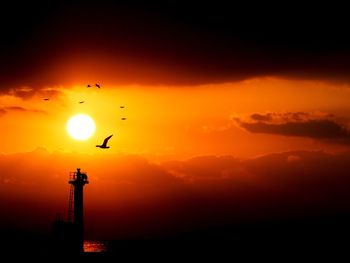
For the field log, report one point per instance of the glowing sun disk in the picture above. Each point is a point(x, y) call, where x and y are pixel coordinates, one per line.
point(80, 127)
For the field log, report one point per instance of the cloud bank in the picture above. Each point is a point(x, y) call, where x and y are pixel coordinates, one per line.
point(130, 197)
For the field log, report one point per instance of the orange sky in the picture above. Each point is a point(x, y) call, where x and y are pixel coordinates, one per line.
point(171, 122)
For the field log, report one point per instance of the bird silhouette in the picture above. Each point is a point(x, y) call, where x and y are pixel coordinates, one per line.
point(123, 119)
point(104, 144)
point(122, 107)
point(46, 99)
point(97, 85)
point(88, 86)
point(81, 102)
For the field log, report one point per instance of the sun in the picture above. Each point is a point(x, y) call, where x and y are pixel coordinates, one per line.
point(81, 127)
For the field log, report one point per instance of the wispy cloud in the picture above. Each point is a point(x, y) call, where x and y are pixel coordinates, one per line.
point(29, 92)
point(5, 110)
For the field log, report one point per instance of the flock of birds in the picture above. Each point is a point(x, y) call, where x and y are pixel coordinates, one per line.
point(104, 144)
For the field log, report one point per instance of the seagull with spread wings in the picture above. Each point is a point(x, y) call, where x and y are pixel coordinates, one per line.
point(104, 145)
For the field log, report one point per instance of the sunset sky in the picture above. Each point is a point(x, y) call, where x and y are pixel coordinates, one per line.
point(240, 111)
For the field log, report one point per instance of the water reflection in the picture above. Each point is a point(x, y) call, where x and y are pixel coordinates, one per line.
point(95, 246)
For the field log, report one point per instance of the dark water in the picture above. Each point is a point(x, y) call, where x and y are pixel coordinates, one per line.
point(287, 238)
point(312, 236)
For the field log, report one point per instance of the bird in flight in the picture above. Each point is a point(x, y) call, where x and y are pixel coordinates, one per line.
point(122, 107)
point(46, 99)
point(104, 144)
point(81, 102)
point(123, 119)
point(88, 86)
point(97, 85)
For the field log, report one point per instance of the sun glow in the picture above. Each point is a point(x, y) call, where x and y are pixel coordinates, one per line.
point(80, 127)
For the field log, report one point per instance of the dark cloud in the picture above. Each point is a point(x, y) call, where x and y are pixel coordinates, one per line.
point(301, 124)
point(319, 129)
point(172, 44)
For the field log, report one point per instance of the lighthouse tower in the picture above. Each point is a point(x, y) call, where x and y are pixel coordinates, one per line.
point(76, 204)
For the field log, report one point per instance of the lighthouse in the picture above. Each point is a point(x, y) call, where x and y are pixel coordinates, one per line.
point(68, 236)
point(77, 180)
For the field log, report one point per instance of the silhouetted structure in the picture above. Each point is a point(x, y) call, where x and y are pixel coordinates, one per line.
point(69, 235)
point(77, 181)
